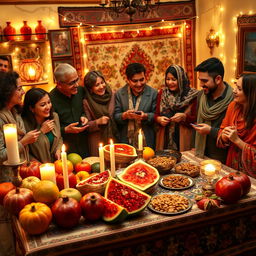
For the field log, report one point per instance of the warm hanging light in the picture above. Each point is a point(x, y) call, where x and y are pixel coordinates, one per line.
point(212, 40)
point(129, 7)
point(30, 70)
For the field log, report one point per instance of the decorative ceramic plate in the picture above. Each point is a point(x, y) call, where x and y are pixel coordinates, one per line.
point(176, 204)
point(176, 182)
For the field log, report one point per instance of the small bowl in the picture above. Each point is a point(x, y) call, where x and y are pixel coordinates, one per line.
point(163, 163)
point(170, 152)
point(188, 168)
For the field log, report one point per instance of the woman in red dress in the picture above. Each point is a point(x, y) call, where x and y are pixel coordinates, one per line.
point(238, 128)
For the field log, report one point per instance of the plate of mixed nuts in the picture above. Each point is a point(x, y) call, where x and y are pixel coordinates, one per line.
point(176, 182)
point(170, 204)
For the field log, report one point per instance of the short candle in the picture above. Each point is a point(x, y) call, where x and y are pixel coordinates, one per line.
point(209, 170)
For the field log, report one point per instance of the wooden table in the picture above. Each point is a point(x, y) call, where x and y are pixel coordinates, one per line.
point(224, 231)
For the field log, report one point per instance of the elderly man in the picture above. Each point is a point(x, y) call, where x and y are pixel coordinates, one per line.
point(135, 105)
point(4, 63)
point(67, 99)
point(213, 101)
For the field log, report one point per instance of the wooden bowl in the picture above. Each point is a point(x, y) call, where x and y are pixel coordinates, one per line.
point(163, 163)
point(121, 157)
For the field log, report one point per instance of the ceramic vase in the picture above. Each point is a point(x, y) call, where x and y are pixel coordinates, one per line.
point(40, 31)
point(9, 32)
point(26, 31)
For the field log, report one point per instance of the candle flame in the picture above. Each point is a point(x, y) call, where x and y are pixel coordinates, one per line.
point(63, 148)
point(140, 131)
point(111, 141)
point(101, 145)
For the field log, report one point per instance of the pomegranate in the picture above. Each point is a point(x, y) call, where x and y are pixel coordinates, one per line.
point(66, 212)
point(71, 178)
point(208, 203)
point(244, 181)
point(92, 205)
point(17, 198)
point(30, 169)
point(229, 189)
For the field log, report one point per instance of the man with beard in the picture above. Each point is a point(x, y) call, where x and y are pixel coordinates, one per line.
point(135, 105)
point(213, 101)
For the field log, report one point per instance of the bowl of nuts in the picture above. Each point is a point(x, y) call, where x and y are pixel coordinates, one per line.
point(187, 168)
point(170, 204)
point(163, 163)
point(169, 153)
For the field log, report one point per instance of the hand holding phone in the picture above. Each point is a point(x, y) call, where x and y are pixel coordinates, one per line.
point(195, 125)
point(137, 112)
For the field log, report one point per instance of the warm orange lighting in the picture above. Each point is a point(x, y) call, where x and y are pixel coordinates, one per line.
point(212, 40)
point(30, 70)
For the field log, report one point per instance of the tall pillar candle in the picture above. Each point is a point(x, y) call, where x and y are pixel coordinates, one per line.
point(11, 141)
point(140, 140)
point(64, 166)
point(101, 155)
point(112, 159)
point(47, 172)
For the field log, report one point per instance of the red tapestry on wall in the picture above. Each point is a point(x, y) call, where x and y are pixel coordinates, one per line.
point(156, 49)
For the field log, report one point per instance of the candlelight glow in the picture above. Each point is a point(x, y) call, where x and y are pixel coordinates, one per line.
point(63, 148)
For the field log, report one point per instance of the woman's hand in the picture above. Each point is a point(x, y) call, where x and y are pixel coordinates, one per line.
point(30, 137)
point(178, 117)
point(163, 120)
point(231, 133)
point(102, 120)
point(47, 126)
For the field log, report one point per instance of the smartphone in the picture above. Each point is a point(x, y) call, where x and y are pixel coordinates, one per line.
point(137, 112)
point(196, 125)
point(80, 124)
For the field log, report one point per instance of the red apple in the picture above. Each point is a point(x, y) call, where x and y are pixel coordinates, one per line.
point(83, 166)
point(30, 169)
point(71, 178)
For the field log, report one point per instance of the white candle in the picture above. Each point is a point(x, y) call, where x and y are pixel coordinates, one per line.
point(112, 159)
point(47, 172)
point(209, 170)
point(101, 155)
point(140, 140)
point(64, 166)
point(11, 141)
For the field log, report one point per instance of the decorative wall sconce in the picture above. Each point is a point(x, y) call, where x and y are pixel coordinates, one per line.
point(212, 40)
point(31, 70)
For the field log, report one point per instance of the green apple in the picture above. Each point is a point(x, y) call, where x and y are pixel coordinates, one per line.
point(72, 193)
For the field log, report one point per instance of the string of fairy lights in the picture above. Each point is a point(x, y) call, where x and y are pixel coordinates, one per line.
point(162, 24)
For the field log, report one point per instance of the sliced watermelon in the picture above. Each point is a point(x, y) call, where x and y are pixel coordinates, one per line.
point(132, 199)
point(113, 212)
point(140, 175)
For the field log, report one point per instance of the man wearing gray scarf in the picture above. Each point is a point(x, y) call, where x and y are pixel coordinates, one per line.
point(212, 104)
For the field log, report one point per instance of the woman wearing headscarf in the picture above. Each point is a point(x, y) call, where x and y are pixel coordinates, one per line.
point(238, 129)
point(99, 108)
point(175, 110)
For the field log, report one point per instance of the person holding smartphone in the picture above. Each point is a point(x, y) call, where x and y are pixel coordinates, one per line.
point(175, 110)
point(38, 115)
point(135, 105)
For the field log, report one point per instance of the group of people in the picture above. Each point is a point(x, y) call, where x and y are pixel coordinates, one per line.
point(219, 121)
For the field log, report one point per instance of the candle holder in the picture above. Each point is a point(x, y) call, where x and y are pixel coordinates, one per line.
point(210, 171)
point(139, 154)
point(16, 179)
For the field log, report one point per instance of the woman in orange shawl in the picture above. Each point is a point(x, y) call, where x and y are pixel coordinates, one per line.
point(238, 128)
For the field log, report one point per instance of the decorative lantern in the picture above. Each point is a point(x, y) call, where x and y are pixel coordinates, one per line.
point(30, 70)
point(212, 40)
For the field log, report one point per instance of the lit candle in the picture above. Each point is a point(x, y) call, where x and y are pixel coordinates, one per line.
point(11, 141)
point(112, 159)
point(140, 140)
point(47, 172)
point(209, 170)
point(101, 154)
point(64, 166)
